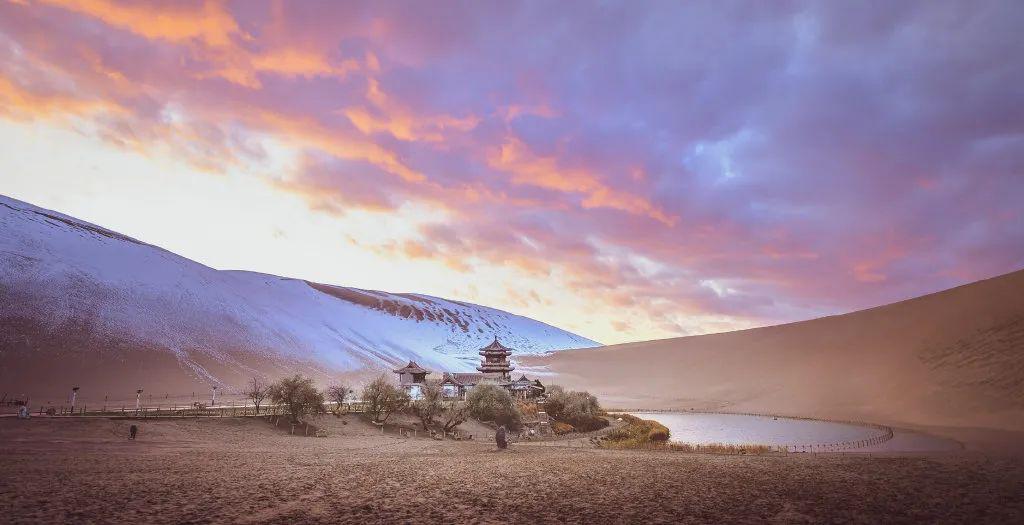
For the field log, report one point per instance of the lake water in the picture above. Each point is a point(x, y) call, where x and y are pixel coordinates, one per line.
point(735, 429)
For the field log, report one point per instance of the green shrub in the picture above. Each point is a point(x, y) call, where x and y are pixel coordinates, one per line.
point(579, 409)
point(298, 395)
point(493, 403)
point(430, 404)
point(383, 399)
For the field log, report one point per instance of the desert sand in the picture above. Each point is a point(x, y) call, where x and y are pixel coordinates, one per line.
point(950, 362)
point(247, 471)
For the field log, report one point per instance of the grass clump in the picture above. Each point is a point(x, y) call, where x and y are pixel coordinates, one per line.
point(560, 429)
point(644, 433)
point(720, 448)
point(636, 433)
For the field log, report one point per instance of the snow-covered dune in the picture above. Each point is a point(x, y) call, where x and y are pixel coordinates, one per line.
point(80, 300)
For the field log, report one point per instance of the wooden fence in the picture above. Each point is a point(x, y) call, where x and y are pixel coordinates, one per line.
point(180, 410)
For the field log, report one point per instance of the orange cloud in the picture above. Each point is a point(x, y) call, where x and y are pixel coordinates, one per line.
point(173, 22)
point(212, 26)
point(241, 67)
point(301, 63)
point(515, 157)
point(400, 122)
point(306, 132)
point(19, 103)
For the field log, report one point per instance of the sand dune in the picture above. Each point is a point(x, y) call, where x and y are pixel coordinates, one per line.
point(84, 305)
point(953, 358)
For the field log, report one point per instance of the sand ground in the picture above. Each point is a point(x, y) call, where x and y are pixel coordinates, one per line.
point(247, 471)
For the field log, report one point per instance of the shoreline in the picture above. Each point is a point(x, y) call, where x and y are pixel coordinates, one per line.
point(995, 442)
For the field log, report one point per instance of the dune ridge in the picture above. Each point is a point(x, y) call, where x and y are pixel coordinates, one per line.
point(948, 359)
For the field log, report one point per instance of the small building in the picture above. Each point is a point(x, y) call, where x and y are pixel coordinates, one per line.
point(411, 378)
point(524, 388)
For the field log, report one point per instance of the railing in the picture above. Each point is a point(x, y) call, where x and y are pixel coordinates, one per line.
point(172, 410)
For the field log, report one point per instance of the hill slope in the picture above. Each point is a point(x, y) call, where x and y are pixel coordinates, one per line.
point(83, 304)
point(954, 358)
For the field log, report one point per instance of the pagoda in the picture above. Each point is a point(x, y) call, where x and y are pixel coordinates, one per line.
point(495, 360)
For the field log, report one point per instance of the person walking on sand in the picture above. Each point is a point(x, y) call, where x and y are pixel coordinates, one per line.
point(132, 431)
point(501, 438)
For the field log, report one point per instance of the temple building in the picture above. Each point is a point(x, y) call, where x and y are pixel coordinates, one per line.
point(495, 360)
point(495, 368)
point(411, 378)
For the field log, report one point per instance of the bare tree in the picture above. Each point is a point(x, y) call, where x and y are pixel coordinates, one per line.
point(455, 413)
point(257, 391)
point(430, 404)
point(336, 395)
point(383, 398)
point(299, 396)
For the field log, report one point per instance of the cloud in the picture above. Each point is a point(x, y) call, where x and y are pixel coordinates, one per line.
point(208, 22)
point(700, 166)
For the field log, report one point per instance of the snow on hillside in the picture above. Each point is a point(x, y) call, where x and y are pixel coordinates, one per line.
point(56, 270)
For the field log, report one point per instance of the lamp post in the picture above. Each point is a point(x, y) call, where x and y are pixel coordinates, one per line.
point(74, 395)
point(138, 399)
point(214, 400)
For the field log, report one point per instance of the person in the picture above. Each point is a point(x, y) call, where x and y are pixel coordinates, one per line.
point(23, 412)
point(501, 437)
point(132, 431)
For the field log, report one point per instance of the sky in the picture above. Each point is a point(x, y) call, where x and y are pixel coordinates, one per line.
point(624, 170)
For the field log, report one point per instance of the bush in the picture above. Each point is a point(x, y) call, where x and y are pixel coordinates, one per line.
point(658, 435)
point(298, 395)
point(579, 409)
point(455, 413)
point(493, 403)
point(383, 399)
point(560, 428)
point(336, 395)
point(636, 433)
point(431, 403)
point(527, 408)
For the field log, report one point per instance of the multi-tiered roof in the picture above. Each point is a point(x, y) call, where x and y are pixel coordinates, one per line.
point(495, 359)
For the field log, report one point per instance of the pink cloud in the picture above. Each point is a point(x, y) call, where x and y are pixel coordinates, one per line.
point(676, 160)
